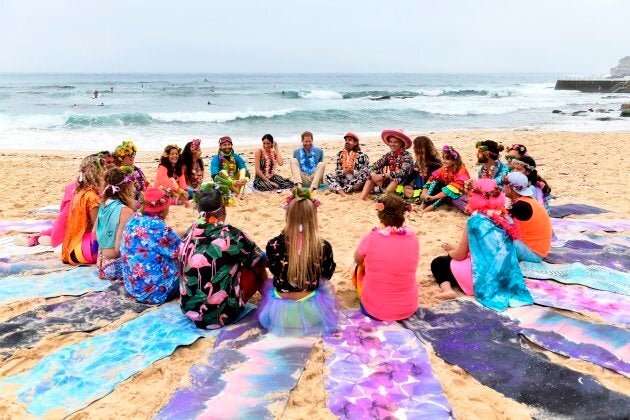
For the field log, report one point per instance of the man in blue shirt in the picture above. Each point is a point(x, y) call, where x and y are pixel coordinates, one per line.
point(229, 166)
point(307, 164)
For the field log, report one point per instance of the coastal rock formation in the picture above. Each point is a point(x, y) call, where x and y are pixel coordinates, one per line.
point(622, 69)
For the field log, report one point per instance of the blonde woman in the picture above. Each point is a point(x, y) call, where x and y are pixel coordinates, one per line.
point(299, 300)
point(116, 206)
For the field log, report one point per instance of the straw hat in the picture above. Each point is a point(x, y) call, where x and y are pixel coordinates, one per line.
point(397, 134)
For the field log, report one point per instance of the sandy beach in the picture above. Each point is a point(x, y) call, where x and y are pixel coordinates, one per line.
point(587, 168)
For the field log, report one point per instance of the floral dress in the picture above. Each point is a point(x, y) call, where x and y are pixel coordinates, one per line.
point(149, 250)
point(348, 182)
point(212, 260)
point(268, 167)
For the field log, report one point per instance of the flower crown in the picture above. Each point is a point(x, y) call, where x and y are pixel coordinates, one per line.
point(471, 189)
point(448, 149)
point(129, 178)
point(301, 194)
point(170, 147)
point(381, 207)
point(525, 165)
point(519, 148)
point(127, 148)
point(196, 142)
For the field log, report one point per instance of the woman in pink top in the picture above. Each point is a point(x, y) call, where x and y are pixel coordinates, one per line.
point(170, 174)
point(389, 254)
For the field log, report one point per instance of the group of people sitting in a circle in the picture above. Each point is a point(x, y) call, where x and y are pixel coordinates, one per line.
point(113, 217)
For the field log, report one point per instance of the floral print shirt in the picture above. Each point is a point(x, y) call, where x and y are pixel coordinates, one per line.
point(149, 250)
point(399, 165)
point(278, 263)
point(212, 259)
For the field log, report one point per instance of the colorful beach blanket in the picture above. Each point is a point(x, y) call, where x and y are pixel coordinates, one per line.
point(25, 226)
point(595, 277)
point(380, 370)
point(76, 375)
point(615, 258)
point(613, 307)
point(249, 372)
point(83, 314)
point(50, 209)
point(589, 240)
point(73, 282)
point(31, 264)
point(568, 209)
point(584, 225)
point(8, 248)
point(486, 345)
point(605, 345)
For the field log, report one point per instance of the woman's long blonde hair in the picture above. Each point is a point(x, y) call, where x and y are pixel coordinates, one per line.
point(90, 174)
point(304, 246)
point(119, 186)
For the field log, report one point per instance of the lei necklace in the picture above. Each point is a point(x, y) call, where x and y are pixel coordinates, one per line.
point(228, 163)
point(269, 162)
point(393, 158)
point(390, 230)
point(502, 220)
point(307, 163)
point(347, 159)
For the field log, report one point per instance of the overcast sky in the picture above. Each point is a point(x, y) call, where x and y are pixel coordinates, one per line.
point(455, 36)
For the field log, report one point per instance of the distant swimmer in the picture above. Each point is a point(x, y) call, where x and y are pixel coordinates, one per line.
point(205, 80)
point(102, 104)
point(209, 103)
point(212, 88)
point(111, 89)
point(96, 94)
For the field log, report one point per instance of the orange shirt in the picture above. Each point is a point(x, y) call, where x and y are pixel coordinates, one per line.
point(163, 181)
point(536, 232)
point(79, 222)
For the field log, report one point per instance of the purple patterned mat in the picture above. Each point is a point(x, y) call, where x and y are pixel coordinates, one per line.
point(604, 345)
point(606, 257)
point(380, 370)
point(613, 307)
point(568, 209)
point(486, 345)
point(249, 372)
point(26, 226)
point(83, 314)
point(583, 225)
point(579, 240)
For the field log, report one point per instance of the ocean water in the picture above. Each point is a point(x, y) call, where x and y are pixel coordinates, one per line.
point(60, 112)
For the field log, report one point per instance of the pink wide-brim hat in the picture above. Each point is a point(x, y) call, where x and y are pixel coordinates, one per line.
point(352, 136)
point(397, 134)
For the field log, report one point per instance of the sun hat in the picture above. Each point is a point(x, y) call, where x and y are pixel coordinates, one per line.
point(397, 134)
point(155, 200)
point(519, 183)
point(352, 136)
point(225, 139)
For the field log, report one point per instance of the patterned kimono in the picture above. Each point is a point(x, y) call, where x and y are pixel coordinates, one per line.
point(399, 166)
point(339, 180)
point(149, 249)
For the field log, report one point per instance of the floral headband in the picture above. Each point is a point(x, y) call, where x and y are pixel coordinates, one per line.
point(381, 207)
point(301, 194)
point(525, 165)
point(127, 148)
point(167, 149)
point(196, 143)
point(448, 149)
point(129, 178)
point(468, 186)
point(519, 148)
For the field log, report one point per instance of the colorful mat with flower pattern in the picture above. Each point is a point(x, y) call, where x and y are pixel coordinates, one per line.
point(569, 209)
point(380, 370)
point(74, 376)
point(26, 226)
point(584, 225)
point(593, 276)
point(31, 264)
point(605, 345)
point(486, 345)
point(62, 283)
point(613, 307)
point(249, 374)
point(83, 314)
point(579, 240)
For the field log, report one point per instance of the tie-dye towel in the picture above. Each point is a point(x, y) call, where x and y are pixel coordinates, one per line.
point(595, 277)
point(604, 345)
point(579, 240)
point(86, 313)
point(617, 259)
point(62, 283)
point(31, 264)
point(25, 226)
point(568, 209)
point(380, 370)
point(486, 345)
point(8, 248)
point(584, 225)
point(249, 374)
point(50, 209)
point(613, 307)
point(75, 376)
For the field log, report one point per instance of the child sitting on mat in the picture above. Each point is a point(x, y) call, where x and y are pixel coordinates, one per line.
point(299, 300)
point(387, 259)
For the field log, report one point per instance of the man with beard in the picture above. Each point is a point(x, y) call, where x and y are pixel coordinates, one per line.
point(228, 168)
point(351, 162)
point(488, 156)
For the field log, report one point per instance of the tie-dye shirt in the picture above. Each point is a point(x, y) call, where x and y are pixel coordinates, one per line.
point(149, 250)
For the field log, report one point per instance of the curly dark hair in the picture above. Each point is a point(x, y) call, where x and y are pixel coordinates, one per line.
point(393, 213)
point(167, 163)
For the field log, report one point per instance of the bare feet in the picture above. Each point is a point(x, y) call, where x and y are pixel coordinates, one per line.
point(447, 292)
point(341, 192)
point(45, 240)
point(428, 209)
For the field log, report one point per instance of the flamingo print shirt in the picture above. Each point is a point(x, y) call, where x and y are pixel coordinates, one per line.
point(213, 258)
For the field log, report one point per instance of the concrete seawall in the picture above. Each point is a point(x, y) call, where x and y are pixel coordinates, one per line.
point(605, 85)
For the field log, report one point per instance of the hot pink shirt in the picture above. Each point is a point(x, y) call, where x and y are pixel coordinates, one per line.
point(390, 291)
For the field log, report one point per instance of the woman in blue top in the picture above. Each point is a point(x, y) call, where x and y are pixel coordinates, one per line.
point(116, 206)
